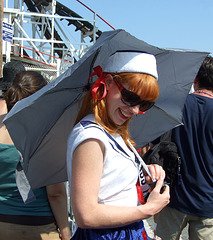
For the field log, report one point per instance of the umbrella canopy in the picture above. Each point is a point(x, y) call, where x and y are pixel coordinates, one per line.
point(40, 124)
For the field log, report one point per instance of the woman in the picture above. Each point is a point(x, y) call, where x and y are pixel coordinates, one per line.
point(102, 169)
point(10, 70)
point(40, 218)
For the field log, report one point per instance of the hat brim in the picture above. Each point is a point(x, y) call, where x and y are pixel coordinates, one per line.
point(3, 85)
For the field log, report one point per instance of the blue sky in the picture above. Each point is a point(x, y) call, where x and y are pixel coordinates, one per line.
point(185, 24)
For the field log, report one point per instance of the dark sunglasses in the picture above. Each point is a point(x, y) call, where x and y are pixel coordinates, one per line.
point(132, 99)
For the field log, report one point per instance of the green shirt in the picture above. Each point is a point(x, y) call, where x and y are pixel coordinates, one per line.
point(11, 202)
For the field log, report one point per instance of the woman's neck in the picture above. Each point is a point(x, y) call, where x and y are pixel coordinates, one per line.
point(4, 134)
point(3, 106)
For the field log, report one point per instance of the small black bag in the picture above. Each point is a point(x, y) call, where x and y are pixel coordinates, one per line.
point(165, 154)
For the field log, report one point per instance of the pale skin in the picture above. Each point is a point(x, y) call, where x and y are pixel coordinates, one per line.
point(86, 177)
point(3, 107)
point(58, 201)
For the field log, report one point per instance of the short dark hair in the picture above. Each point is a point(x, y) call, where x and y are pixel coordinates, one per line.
point(25, 84)
point(205, 74)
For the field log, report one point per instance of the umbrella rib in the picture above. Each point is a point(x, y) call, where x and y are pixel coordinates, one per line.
point(168, 115)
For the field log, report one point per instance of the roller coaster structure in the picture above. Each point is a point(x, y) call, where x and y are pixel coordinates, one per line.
point(40, 34)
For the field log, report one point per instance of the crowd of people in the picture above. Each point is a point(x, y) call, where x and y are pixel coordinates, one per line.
point(107, 182)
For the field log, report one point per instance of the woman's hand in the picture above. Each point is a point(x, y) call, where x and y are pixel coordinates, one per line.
point(156, 171)
point(158, 199)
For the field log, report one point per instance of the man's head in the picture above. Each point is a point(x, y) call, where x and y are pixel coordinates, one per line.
point(204, 77)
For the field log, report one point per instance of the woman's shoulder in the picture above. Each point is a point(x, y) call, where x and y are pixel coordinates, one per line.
point(87, 128)
point(4, 135)
point(86, 125)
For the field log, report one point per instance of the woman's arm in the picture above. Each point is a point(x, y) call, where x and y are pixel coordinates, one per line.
point(58, 201)
point(87, 169)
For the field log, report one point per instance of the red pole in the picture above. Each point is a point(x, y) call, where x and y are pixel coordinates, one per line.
point(96, 14)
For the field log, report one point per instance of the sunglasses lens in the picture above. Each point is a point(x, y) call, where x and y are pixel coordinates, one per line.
point(146, 105)
point(132, 99)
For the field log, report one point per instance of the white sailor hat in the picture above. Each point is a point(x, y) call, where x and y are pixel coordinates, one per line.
point(131, 61)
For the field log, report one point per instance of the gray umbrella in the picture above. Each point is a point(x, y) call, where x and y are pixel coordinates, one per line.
point(40, 124)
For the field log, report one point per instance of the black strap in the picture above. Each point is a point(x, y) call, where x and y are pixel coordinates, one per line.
point(27, 220)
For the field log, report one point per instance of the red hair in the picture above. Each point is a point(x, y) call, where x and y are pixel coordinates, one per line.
point(143, 85)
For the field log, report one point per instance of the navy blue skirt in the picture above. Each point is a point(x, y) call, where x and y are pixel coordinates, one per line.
point(134, 231)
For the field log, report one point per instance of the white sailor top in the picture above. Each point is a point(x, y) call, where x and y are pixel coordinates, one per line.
point(120, 171)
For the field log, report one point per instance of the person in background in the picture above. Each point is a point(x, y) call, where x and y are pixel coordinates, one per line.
point(41, 218)
point(103, 181)
point(192, 200)
point(10, 70)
